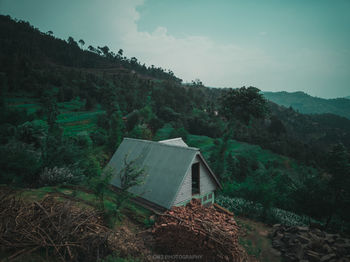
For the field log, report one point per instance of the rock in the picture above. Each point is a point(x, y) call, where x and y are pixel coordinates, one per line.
point(278, 236)
point(330, 238)
point(303, 239)
point(327, 258)
point(318, 233)
point(312, 256)
point(340, 241)
point(297, 250)
point(303, 229)
point(310, 244)
point(277, 243)
point(327, 249)
point(292, 229)
point(275, 252)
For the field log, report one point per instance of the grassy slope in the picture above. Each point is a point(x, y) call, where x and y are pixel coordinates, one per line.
point(86, 199)
point(73, 117)
point(310, 105)
point(206, 144)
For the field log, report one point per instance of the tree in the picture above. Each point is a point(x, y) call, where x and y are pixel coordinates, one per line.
point(338, 165)
point(99, 184)
point(92, 49)
point(115, 131)
point(276, 126)
point(130, 176)
point(50, 108)
point(82, 43)
point(71, 41)
point(242, 104)
point(197, 83)
point(105, 50)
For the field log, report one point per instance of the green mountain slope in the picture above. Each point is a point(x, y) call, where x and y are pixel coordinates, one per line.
point(307, 104)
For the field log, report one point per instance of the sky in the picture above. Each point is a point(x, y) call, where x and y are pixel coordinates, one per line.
point(274, 45)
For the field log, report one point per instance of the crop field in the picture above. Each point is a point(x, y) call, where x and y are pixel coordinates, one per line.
point(73, 117)
point(206, 144)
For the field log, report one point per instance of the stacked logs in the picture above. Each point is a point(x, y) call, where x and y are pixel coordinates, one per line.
point(59, 228)
point(198, 233)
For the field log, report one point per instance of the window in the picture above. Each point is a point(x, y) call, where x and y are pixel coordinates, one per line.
point(210, 195)
point(195, 179)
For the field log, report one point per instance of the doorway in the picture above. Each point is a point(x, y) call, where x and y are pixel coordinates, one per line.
point(195, 179)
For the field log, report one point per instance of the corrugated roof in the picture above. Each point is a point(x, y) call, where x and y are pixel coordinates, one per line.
point(165, 166)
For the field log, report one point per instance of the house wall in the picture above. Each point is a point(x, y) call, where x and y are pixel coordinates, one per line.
point(185, 191)
point(207, 186)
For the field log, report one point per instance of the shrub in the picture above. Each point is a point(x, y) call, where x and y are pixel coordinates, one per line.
point(99, 137)
point(57, 176)
point(83, 140)
point(240, 206)
point(19, 164)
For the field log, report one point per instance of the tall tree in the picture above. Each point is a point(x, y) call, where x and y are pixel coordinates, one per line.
point(82, 43)
point(240, 105)
point(338, 165)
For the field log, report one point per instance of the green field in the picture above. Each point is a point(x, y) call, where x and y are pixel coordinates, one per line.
point(206, 144)
point(73, 117)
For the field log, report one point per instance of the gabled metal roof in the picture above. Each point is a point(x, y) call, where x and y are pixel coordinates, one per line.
point(165, 166)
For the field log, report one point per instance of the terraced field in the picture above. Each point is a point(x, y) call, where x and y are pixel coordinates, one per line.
point(73, 117)
point(206, 144)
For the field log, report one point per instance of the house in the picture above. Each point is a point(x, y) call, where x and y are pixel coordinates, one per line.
point(175, 172)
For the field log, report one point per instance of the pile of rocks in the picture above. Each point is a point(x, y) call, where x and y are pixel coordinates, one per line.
point(309, 244)
point(205, 233)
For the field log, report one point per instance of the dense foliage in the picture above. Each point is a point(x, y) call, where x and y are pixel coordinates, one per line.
point(307, 104)
point(65, 109)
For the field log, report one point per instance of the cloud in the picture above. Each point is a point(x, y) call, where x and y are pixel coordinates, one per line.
point(268, 63)
point(191, 57)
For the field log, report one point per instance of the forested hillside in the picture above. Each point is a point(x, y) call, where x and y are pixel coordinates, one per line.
point(65, 108)
point(307, 104)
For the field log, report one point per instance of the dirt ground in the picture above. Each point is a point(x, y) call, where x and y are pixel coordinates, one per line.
point(254, 238)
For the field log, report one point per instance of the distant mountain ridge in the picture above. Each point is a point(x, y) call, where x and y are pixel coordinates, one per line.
point(307, 104)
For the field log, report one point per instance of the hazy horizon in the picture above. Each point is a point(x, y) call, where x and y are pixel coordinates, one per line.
point(273, 45)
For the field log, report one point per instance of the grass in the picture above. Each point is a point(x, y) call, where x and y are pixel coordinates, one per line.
point(131, 211)
point(206, 145)
point(73, 117)
point(163, 133)
point(83, 198)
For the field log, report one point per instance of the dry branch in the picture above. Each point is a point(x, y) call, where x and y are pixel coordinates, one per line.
point(60, 228)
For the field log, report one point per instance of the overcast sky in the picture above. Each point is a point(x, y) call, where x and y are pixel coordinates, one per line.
point(275, 45)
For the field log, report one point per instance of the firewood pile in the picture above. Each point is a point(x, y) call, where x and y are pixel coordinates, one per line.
point(202, 233)
point(55, 227)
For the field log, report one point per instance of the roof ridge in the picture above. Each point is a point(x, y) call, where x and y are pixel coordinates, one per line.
point(162, 144)
point(171, 139)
